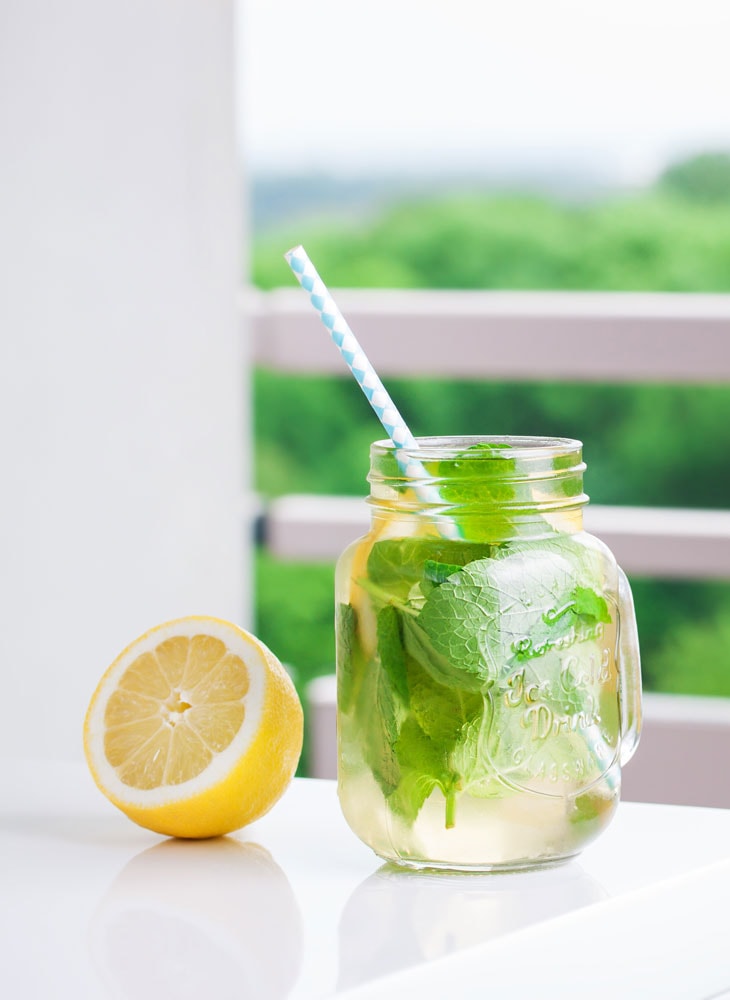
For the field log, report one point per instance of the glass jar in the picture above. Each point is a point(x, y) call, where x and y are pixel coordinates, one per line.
point(488, 679)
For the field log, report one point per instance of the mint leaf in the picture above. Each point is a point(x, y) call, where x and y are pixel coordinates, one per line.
point(407, 798)
point(487, 446)
point(424, 767)
point(396, 565)
point(345, 651)
point(391, 652)
point(494, 612)
point(418, 751)
point(441, 712)
point(380, 718)
point(437, 572)
point(585, 565)
point(590, 605)
point(565, 578)
point(428, 737)
point(422, 646)
point(583, 608)
point(478, 483)
point(481, 473)
point(461, 620)
point(365, 694)
point(470, 756)
point(345, 631)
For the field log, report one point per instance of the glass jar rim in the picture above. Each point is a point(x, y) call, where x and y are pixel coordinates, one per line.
point(507, 446)
point(471, 473)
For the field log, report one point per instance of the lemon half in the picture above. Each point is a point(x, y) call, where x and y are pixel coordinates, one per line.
point(195, 730)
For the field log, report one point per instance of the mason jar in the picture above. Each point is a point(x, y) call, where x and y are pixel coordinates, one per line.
point(488, 678)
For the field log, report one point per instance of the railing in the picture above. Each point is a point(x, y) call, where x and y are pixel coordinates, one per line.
point(529, 337)
point(647, 541)
point(534, 336)
point(582, 337)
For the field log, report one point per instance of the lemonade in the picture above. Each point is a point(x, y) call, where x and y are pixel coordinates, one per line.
point(486, 697)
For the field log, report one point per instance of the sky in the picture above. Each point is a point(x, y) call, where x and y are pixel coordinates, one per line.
point(620, 86)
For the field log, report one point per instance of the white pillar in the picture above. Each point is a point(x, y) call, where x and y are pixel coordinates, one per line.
point(122, 390)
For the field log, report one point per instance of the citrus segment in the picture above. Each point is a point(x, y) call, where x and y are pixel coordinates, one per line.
point(195, 730)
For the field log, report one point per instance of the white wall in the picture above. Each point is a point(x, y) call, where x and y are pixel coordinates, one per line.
point(121, 377)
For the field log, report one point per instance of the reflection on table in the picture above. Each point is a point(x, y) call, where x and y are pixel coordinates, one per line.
point(395, 919)
point(215, 919)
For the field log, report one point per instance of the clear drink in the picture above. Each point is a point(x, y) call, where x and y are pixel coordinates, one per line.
point(488, 670)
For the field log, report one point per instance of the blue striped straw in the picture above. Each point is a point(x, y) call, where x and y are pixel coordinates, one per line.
point(365, 375)
point(354, 356)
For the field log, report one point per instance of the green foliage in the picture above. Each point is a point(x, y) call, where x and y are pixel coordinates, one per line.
point(295, 618)
point(653, 445)
point(703, 178)
point(305, 639)
point(696, 660)
point(665, 606)
point(312, 434)
point(651, 242)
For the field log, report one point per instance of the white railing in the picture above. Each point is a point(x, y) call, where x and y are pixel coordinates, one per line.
point(651, 541)
point(532, 336)
point(582, 337)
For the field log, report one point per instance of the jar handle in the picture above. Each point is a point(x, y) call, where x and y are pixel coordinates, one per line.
point(629, 670)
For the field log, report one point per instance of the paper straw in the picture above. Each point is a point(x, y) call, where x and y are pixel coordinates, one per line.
point(354, 356)
point(366, 377)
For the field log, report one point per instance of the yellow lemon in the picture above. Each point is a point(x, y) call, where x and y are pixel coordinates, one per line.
point(195, 730)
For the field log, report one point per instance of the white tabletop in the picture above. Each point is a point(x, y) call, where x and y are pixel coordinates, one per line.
point(295, 906)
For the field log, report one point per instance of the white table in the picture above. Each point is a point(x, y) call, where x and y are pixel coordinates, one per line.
point(295, 906)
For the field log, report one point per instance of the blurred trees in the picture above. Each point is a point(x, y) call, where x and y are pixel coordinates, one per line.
point(657, 242)
point(646, 444)
point(704, 178)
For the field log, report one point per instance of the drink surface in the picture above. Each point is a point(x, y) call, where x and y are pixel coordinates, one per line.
point(479, 720)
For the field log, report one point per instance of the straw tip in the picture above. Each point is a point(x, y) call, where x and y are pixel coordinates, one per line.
point(295, 251)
